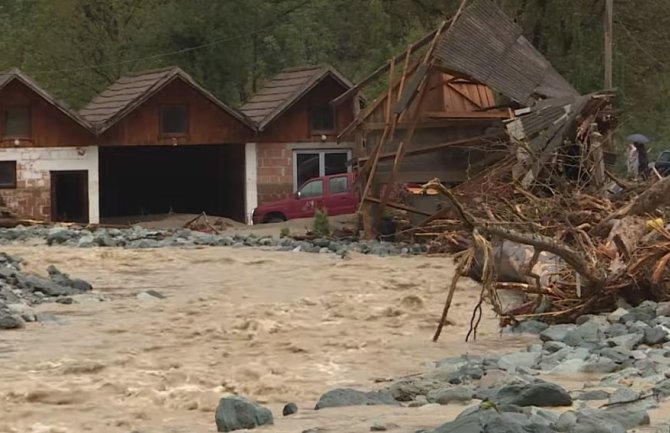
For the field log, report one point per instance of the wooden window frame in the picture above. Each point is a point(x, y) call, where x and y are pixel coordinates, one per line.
point(5, 111)
point(13, 185)
point(322, 131)
point(160, 121)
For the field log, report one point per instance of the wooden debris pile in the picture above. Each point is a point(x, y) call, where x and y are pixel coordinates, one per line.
point(570, 244)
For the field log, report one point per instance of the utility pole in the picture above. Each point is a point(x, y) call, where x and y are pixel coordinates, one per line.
point(609, 12)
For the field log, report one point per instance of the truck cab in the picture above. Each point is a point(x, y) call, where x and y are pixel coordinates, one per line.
point(333, 193)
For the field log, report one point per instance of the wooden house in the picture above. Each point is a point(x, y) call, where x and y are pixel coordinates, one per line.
point(297, 129)
point(48, 157)
point(168, 145)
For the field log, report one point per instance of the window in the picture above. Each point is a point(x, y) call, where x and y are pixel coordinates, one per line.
point(322, 119)
point(312, 189)
point(337, 185)
point(173, 120)
point(7, 174)
point(17, 122)
point(308, 164)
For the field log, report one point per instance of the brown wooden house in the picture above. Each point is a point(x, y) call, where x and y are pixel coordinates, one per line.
point(297, 128)
point(168, 145)
point(48, 161)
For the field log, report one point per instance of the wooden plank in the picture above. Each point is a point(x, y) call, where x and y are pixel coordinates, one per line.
point(466, 114)
point(399, 206)
point(485, 139)
point(412, 86)
point(377, 72)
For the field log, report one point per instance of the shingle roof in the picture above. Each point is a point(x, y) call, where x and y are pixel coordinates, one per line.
point(132, 90)
point(15, 74)
point(485, 44)
point(285, 89)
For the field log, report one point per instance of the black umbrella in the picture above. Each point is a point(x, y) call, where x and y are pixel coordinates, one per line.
point(638, 138)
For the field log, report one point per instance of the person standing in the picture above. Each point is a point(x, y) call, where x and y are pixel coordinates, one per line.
point(643, 160)
point(632, 161)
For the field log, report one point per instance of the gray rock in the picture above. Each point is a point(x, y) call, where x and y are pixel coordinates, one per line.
point(616, 330)
point(616, 354)
point(587, 334)
point(628, 341)
point(662, 389)
point(87, 241)
point(540, 394)
point(10, 321)
point(616, 315)
point(554, 346)
point(623, 395)
point(58, 236)
point(566, 421)
point(290, 409)
point(556, 332)
point(409, 389)
point(570, 366)
point(590, 394)
point(519, 359)
point(599, 364)
point(349, 397)
point(48, 318)
point(663, 309)
point(460, 394)
point(629, 417)
point(588, 424)
point(237, 413)
point(491, 421)
point(530, 327)
point(655, 335)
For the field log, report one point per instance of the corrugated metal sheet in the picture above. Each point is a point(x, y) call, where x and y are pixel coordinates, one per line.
point(487, 46)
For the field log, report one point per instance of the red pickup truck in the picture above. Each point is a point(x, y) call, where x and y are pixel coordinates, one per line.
point(333, 193)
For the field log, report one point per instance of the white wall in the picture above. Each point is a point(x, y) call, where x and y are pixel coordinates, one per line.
point(34, 163)
point(251, 180)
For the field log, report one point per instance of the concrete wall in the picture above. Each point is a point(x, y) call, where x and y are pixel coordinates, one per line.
point(32, 196)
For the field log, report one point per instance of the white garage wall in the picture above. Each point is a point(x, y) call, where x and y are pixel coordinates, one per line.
point(34, 165)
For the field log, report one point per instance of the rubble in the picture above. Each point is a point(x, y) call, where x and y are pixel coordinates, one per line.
point(19, 291)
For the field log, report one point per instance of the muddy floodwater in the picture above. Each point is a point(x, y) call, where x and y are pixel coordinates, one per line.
point(275, 327)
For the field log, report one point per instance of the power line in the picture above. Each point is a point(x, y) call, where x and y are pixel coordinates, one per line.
point(275, 22)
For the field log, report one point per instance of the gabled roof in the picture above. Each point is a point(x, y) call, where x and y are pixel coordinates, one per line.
point(285, 89)
point(132, 90)
point(8, 76)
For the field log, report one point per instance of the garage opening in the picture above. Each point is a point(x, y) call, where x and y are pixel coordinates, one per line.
point(155, 180)
point(69, 196)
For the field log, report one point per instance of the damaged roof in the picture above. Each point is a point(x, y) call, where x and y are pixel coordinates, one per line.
point(488, 46)
point(132, 90)
point(285, 89)
point(10, 75)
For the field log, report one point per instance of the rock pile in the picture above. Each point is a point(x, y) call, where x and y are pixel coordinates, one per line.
point(138, 237)
point(628, 352)
point(20, 290)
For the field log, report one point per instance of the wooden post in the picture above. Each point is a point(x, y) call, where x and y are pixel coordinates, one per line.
point(609, 12)
point(598, 158)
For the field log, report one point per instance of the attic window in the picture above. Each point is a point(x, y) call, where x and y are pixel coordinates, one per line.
point(17, 122)
point(322, 119)
point(174, 120)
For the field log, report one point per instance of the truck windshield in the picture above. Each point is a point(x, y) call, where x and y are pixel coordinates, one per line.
point(664, 157)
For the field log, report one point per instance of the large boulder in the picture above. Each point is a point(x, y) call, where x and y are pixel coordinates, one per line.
point(237, 413)
point(540, 394)
point(342, 397)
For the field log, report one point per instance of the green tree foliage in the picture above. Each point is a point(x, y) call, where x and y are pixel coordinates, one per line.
point(77, 47)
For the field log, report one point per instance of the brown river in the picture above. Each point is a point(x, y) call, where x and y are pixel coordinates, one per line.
point(273, 326)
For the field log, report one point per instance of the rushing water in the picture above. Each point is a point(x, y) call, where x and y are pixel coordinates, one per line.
point(275, 327)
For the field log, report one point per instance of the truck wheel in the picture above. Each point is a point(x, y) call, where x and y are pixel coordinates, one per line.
point(275, 219)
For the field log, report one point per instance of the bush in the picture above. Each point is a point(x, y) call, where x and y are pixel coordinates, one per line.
point(284, 232)
point(321, 225)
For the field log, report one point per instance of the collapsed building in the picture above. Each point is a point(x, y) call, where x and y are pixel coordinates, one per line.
point(468, 96)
